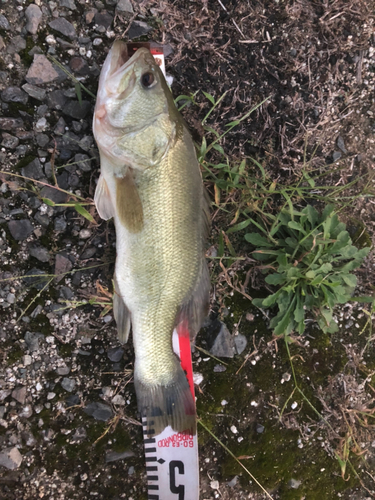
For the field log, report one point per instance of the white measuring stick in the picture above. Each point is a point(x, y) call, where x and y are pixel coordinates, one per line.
point(172, 464)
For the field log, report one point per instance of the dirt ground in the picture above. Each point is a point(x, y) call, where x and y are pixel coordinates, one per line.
point(68, 418)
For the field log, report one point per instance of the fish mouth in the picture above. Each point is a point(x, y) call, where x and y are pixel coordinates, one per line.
point(120, 58)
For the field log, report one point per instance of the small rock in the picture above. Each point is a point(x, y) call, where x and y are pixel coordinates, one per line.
point(4, 394)
point(34, 16)
point(68, 384)
point(41, 124)
point(115, 354)
point(103, 18)
point(223, 346)
point(83, 162)
point(240, 342)
point(56, 100)
point(113, 456)
point(336, 155)
point(63, 370)
point(99, 411)
point(33, 340)
point(42, 219)
point(26, 412)
point(14, 94)
point(9, 141)
point(62, 266)
point(197, 378)
point(232, 483)
point(41, 71)
point(11, 298)
point(42, 140)
point(19, 394)
point(64, 27)
point(90, 15)
point(234, 429)
point(118, 400)
point(137, 29)
point(33, 170)
point(20, 229)
point(77, 110)
point(294, 483)
point(259, 428)
point(17, 43)
point(4, 24)
point(341, 144)
point(79, 66)
point(60, 224)
point(10, 123)
point(79, 435)
point(219, 368)
point(68, 4)
point(125, 6)
point(84, 234)
point(73, 400)
point(34, 92)
point(88, 253)
point(215, 485)
point(27, 360)
point(250, 317)
point(10, 458)
point(39, 252)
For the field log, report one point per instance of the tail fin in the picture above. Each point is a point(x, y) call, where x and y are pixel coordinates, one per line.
point(163, 405)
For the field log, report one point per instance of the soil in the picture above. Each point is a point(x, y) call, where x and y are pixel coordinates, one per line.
point(309, 437)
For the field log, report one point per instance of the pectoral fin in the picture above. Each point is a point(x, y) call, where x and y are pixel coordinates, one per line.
point(103, 201)
point(128, 203)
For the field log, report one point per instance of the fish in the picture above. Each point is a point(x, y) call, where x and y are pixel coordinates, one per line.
point(151, 184)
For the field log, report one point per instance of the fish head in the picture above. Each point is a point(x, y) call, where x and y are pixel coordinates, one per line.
point(133, 100)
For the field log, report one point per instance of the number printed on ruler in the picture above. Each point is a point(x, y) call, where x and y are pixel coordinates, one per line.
point(170, 458)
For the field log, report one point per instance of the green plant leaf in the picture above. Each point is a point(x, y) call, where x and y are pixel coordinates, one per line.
point(258, 302)
point(350, 279)
point(81, 210)
point(209, 97)
point(312, 215)
point(239, 226)
point(275, 279)
point(257, 240)
point(296, 225)
point(310, 275)
point(48, 202)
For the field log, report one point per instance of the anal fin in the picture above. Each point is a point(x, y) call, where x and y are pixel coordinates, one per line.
point(122, 316)
point(195, 309)
point(103, 200)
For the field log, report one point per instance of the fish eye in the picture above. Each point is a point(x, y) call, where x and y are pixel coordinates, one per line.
point(148, 80)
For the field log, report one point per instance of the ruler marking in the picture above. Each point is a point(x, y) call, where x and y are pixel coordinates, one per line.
point(153, 497)
point(152, 478)
point(150, 459)
point(149, 441)
point(150, 450)
point(152, 468)
point(153, 487)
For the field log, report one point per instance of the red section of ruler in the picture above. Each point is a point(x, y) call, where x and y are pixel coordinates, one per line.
point(185, 353)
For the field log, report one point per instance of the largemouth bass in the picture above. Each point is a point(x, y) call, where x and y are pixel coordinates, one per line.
point(151, 185)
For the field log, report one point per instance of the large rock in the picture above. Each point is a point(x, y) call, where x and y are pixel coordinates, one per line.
point(64, 27)
point(34, 16)
point(20, 229)
point(10, 458)
point(41, 71)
